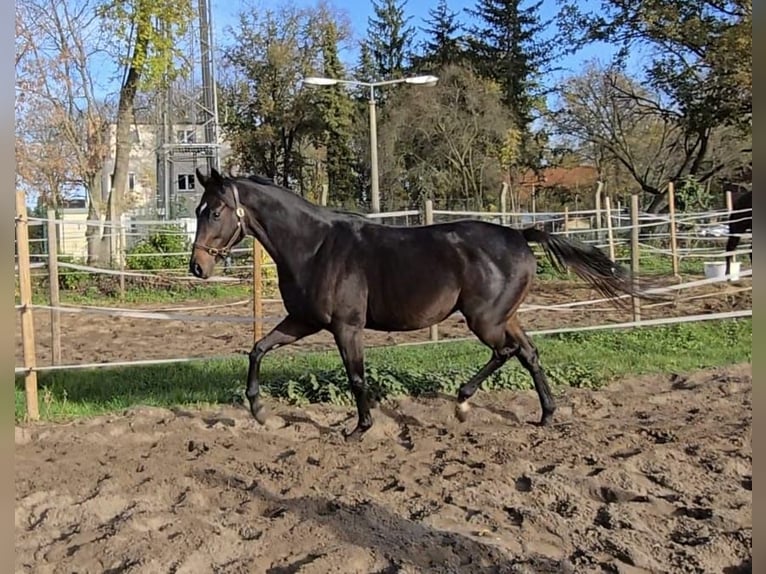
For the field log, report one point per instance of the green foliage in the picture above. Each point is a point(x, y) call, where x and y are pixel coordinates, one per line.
point(581, 359)
point(445, 142)
point(693, 196)
point(71, 279)
point(506, 46)
point(267, 114)
point(157, 24)
point(442, 45)
point(389, 39)
point(699, 58)
point(335, 109)
point(168, 239)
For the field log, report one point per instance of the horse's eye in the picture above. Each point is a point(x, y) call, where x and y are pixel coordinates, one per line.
point(216, 214)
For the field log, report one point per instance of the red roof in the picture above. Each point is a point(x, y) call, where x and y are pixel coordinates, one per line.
point(580, 176)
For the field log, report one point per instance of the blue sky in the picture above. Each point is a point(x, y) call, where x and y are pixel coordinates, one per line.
point(225, 14)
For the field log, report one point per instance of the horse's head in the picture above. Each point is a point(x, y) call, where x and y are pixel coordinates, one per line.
point(220, 223)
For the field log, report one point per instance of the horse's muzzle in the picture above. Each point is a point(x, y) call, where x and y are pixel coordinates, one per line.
point(196, 269)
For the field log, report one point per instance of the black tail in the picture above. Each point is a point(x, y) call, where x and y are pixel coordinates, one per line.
point(589, 263)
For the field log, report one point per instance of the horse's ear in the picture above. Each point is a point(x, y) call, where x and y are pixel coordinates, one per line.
point(201, 178)
point(215, 176)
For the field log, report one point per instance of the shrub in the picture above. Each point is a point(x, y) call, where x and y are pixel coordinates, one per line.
point(147, 254)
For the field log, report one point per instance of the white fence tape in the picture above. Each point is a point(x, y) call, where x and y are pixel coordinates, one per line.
point(166, 316)
point(627, 325)
point(644, 323)
point(107, 271)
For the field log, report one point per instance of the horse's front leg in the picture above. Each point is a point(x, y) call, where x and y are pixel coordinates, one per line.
point(351, 346)
point(288, 331)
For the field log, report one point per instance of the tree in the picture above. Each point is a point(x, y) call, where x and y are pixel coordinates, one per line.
point(701, 49)
point(506, 46)
point(390, 39)
point(61, 123)
point(268, 114)
point(448, 142)
point(700, 61)
point(336, 110)
point(443, 41)
point(145, 32)
point(615, 119)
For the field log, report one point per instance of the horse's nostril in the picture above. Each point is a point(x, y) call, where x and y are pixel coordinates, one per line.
point(196, 269)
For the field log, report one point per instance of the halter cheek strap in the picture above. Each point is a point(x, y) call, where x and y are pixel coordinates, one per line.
point(240, 213)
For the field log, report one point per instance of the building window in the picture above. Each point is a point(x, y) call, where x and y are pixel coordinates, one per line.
point(185, 182)
point(131, 181)
point(186, 136)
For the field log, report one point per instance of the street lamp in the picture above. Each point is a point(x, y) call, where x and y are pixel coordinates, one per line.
point(426, 80)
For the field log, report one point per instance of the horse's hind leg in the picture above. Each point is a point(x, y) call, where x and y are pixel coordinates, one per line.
point(350, 344)
point(529, 359)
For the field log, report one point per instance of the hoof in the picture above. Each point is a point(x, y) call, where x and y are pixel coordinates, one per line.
point(259, 413)
point(461, 411)
point(355, 435)
point(546, 419)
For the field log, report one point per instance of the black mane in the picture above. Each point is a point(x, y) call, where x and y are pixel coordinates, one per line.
point(269, 182)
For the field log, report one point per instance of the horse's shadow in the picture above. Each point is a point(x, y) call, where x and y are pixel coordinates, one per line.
point(399, 540)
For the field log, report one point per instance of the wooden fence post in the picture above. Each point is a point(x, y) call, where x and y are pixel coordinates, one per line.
point(433, 330)
point(597, 202)
point(53, 287)
point(634, 253)
point(609, 231)
point(673, 240)
point(566, 221)
point(27, 319)
point(257, 292)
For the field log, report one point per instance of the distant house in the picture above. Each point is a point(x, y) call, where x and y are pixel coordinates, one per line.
point(150, 186)
point(74, 217)
point(576, 179)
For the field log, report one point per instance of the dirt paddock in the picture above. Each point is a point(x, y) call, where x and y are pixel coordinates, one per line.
point(653, 474)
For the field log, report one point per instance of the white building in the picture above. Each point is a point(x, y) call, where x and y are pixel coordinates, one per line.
point(150, 186)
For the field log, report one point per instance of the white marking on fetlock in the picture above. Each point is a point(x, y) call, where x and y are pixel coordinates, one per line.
point(461, 411)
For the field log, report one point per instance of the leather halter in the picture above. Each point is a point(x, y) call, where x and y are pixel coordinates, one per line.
point(240, 213)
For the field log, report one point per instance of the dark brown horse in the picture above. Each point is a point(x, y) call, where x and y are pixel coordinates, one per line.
point(740, 221)
point(343, 273)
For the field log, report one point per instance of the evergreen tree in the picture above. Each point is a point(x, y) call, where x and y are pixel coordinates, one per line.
point(505, 46)
point(337, 119)
point(365, 69)
point(443, 43)
point(390, 39)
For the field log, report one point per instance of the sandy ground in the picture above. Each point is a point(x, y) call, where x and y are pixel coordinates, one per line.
point(653, 474)
point(90, 338)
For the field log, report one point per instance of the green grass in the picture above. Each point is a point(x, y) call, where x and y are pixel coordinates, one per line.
point(153, 295)
point(586, 359)
point(106, 293)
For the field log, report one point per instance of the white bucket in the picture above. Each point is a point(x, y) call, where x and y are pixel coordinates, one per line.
point(717, 270)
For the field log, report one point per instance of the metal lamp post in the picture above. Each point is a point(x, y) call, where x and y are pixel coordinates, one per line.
point(417, 80)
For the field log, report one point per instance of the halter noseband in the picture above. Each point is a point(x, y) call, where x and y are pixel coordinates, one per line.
point(240, 213)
